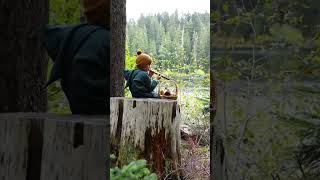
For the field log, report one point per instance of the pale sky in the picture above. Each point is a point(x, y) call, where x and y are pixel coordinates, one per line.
point(137, 7)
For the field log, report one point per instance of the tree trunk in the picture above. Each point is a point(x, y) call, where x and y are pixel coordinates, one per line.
point(117, 51)
point(23, 66)
point(218, 168)
point(147, 129)
point(213, 109)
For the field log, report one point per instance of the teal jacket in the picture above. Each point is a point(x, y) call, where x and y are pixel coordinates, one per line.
point(140, 84)
point(81, 55)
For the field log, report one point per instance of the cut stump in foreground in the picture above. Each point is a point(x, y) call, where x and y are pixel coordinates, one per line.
point(44, 146)
point(147, 129)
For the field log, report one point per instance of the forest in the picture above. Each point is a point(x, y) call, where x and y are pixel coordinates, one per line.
point(179, 45)
point(176, 43)
point(265, 56)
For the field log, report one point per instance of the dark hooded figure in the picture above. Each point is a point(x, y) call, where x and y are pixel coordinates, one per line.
point(81, 59)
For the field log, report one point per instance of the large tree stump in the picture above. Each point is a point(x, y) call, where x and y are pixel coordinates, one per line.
point(148, 129)
point(49, 147)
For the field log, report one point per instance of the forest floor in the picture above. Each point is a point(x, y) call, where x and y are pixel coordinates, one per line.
point(195, 160)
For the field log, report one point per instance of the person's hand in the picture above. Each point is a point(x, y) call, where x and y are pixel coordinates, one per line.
point(158, 77)
point(151, 73)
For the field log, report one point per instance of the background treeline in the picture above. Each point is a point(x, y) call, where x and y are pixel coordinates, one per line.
point(176, 42)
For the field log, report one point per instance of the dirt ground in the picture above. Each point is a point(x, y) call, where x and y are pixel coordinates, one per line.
point(195, 160)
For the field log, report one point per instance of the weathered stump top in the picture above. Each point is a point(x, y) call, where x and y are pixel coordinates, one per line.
point(50, 146)
point(88, 119)
point(145, 99)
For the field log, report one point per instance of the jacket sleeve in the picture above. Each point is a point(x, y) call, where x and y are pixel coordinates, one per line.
point(147, 82)
point(126, 74)
point(154, 84)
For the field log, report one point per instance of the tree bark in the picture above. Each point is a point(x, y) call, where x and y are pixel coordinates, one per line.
point(147, 129)
point(117, 61)
point(23, 65)
point(218, 168)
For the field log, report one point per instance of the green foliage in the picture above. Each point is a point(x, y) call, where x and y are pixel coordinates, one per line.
point(135, 170)
point(130, 60)
point(232, 21)
point(56, 100)
point(306, 124)
point(287, 34)
point(64, 11)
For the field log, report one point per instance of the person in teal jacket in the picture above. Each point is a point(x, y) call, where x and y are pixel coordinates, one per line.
point(80, 53)
point(140, 81)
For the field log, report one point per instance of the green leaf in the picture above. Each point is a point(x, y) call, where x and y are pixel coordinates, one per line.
point(233, 21)
point(287, 34)
point(225, 7)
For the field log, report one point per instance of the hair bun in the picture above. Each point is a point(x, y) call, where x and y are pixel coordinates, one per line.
point(139, 52)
